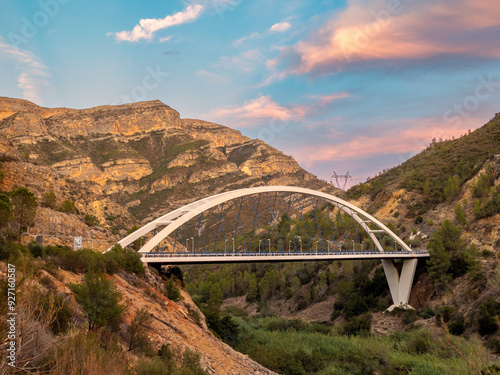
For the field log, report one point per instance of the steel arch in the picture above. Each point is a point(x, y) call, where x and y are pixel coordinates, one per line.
point(176, 218)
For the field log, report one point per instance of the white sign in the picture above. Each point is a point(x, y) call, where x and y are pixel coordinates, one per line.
point(78, 243)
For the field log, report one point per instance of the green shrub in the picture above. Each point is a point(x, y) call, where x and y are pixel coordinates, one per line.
point(68, 207)
point(357, 325)
point(99, 300)
point(63, 313)
point(457, 328)
point(172, 290)
point(489, 312)
point(409, 316)
point(426, 312)
point(90, 220)
point(444, 313)
point(49, 200)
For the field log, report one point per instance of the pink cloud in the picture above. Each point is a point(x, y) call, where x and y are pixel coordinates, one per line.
point(261, 108)
point(377, 30)
point(386, 140)
point(264, 107)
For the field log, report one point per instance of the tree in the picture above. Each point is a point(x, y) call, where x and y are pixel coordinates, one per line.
point(252, 289)
point(460, 215)
point(450, 257)
point(49, 200)
point(68, 206)
point(24, 207)
point(138, 327)
point(99, 300)
point(5, 209)
point(451, 188)
point(172, 290)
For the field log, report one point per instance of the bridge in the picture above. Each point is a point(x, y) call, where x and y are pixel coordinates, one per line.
point(313, 226)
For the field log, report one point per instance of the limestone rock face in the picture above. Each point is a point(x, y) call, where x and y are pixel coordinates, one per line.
point(217, 135)
point(213, 173)
point(123, 120)
point(122, 165)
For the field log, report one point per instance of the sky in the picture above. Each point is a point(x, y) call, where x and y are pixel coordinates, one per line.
point(347, 86)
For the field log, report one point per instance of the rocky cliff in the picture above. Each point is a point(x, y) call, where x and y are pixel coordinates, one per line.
point(126, 164)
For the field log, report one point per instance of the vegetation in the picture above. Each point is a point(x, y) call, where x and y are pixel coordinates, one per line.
point(304, 348)
point(100, 301)
point(137, 330)
point(449, 255)
point(440, 171)
point(5, 210)
point(170, 361)
point(68, 207)
point(49, 200)
point(24, 208)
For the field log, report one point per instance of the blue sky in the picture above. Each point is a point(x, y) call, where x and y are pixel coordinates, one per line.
point(357, 85)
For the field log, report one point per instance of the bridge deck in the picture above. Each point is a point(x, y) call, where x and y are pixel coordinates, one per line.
point(243, 257)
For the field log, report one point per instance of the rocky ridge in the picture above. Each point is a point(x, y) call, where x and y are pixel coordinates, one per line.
point(125, 164)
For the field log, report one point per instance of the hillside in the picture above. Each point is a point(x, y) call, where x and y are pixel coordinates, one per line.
point(447, 199)
point(423, 191)
point(124, 165)
point(97, 172)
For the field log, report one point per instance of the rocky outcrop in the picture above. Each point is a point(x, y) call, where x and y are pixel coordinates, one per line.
point(218, 135)
point(141, 159)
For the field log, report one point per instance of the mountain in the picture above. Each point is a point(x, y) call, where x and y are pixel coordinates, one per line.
point(421, 192)
point(125, 165)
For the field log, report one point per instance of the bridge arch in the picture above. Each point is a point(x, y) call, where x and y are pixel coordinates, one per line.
point(400, 281)
point(174, 219)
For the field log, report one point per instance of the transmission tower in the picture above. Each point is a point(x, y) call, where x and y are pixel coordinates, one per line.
point(340, 176)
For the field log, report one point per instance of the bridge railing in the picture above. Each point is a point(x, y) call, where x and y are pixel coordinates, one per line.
point(256, 254)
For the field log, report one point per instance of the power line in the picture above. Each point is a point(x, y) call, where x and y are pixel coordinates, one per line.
point(342, 176)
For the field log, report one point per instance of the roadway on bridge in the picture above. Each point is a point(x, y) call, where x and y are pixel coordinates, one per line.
point(244, 257)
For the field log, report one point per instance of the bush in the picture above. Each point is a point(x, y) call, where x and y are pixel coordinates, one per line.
point(99, 300)
point(427, 313)
point(409, 316)
point(125, 259)
point(358, 325)
point(420, 342)
point(68, 207)
point(90, 220)
point(172, 290)
point(489, 312)
point(49, 303)
point(444, 313)
point(457, 328)
point(49, 200)
point(36, 250)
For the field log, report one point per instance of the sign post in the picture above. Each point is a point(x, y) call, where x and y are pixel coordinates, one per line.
point(77, 245)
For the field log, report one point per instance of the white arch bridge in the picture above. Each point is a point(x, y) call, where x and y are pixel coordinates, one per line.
point(295, 236)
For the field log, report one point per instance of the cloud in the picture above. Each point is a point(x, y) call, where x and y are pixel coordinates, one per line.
point(147, 27)
point(245, 61)
point(242, 41)
point(384, 140)
point(376, 30)
point(33, 72)
point(262, 107)
point(251, 112)
point(166, 39)
point(280, 27)
point(212, 77)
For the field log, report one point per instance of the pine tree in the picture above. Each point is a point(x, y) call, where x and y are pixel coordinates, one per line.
point(24, 207)
point(99, 299)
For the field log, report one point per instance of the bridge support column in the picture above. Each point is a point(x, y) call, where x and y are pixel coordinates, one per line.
point(400, 284)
